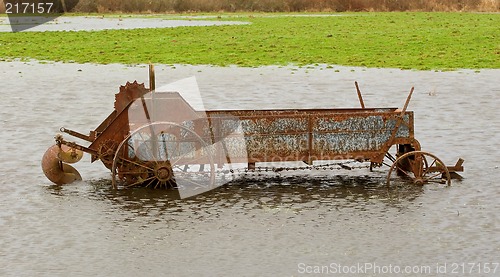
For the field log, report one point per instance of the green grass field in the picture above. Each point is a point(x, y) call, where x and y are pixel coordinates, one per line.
point(423, 41)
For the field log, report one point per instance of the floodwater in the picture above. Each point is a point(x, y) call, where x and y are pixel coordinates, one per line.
point(283, 225)
point(91, 23)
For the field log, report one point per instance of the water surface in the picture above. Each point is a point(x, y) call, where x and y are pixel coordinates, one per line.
point(271, 226)
point(96, 23)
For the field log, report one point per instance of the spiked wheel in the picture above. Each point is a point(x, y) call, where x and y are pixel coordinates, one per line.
point(106, 152)
point(420, 167)
point(163, 155)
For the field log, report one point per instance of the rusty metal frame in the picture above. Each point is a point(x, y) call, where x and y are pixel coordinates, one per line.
point(303, 123)
point(251, 136)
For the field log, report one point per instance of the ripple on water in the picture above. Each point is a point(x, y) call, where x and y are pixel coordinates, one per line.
point(275, 222)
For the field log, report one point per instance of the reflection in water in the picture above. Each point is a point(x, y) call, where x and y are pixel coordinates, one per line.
point(293, 193)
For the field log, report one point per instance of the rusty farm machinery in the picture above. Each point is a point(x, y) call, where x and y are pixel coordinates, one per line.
point(157, 139)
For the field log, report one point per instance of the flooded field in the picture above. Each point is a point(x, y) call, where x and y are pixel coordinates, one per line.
point(92, 23)
point(282, 225)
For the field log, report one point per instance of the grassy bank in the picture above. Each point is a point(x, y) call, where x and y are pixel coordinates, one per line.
point(401, 40)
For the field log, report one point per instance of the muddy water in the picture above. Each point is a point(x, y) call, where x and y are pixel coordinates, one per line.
point(279, 226)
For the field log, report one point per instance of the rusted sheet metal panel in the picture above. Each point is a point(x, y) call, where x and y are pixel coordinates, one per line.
point(294, 135)
point(347, 134)
point(267, 148)
point(299, 112)
point(262, 138)
point(359, 123)
point(273, 125)
point(270, 124)
point(271, 136)
point(286, 146)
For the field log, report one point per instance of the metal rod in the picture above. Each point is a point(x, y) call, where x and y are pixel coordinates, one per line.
point(79, 147)
point(152, 84)
point(76, 134)
point(407, 101)
point(359, 95)
point(399, 120)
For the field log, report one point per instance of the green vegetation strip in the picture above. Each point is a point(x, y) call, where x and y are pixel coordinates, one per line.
point(423, 41)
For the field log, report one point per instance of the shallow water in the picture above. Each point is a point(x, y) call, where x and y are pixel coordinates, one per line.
point(282, 225)
point(92, 23)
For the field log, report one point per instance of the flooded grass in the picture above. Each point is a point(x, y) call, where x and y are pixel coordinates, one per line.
point(423, 41)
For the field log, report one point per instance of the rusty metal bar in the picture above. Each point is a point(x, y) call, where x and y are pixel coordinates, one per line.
point(360, 96)
point(152, 84)
point(399, 119)
point(407, 101)
point(458, 167)
point(78, 135)
point(309, 139)
point(79, 147)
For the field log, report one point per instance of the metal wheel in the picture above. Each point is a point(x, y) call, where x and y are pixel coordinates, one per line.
point(420, 167)
point(106, 152)
point(163, 155)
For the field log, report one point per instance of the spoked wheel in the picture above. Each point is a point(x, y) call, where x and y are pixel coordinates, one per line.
point(420, 167)
point(163, 155)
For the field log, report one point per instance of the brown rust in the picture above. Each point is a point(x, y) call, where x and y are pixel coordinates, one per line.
point(249, 136)
point(308, 135)
point(360, 97)
point(55, 167)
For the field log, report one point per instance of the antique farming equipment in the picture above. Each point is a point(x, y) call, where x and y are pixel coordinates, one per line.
point(157, 139)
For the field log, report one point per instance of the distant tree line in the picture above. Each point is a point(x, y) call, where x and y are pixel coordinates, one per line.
point(168, 6)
